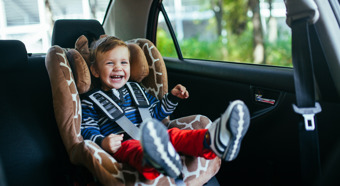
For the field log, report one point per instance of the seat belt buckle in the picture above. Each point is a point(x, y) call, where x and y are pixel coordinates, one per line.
point(308, 114)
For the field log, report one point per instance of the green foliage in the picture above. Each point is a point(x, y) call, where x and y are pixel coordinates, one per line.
point(165, 44)
point(279, 53)
point(235, 12)
point(235, 41)
point(194, 49)
point(238, 48)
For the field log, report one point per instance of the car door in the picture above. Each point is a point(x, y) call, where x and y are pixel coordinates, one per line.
point(227, 50)
point(270, 152)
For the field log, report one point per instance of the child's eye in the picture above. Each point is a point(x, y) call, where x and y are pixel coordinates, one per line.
point(125, 62)
point(109, 63)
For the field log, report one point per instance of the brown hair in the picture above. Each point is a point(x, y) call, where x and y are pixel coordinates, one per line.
point(105, 44)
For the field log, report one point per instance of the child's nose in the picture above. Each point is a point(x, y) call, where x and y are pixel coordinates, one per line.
point(117, 67)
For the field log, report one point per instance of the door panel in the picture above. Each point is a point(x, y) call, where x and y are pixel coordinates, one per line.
point(269, 152)
point(212, 85)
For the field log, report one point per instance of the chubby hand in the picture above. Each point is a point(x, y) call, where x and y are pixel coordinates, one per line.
point(112, 143)
point(180, 91)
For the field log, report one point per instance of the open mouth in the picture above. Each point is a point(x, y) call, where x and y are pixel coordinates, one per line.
point(117, 77)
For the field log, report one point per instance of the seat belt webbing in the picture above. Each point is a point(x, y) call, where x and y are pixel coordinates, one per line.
point(306, 105)
point(140, 99)
point(114, 113)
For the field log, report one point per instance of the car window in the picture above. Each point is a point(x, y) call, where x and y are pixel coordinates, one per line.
point(248, 31)
point(165, 43)
point(31, 21)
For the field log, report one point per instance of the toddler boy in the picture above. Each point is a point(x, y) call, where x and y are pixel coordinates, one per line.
point(157, 150)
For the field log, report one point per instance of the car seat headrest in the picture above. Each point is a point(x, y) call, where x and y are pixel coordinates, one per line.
point(80, 70)
point(139, 67)
point(66, 31)
point(13, 55)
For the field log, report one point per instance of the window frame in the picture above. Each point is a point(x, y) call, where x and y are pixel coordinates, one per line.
point(156, 8)
point(172, 32)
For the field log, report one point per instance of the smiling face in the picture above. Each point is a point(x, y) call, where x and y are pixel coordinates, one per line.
point(112, 67)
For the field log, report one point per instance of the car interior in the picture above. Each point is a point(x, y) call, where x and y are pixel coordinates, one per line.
point(34, 148)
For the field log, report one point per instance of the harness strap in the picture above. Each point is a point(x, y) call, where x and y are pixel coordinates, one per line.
point(140, 99)
point(113, 111)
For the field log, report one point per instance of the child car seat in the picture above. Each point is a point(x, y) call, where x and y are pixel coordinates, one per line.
point(69, 76)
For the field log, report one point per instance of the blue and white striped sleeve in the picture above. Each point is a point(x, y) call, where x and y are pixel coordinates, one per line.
point(163, 108)
point(89, 125)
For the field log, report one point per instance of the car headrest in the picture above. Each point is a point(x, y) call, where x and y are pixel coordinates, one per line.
point(66, 31)
point(13, 55)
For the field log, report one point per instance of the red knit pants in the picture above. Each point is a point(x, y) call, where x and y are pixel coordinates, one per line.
point(188, 142)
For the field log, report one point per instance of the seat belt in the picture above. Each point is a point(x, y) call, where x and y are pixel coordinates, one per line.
point(140, 100)
point(305, 99)
point(115, 113)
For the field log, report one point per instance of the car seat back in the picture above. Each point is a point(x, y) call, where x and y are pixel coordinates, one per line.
point(13, 56)
point(31, 148)
point(67, 31)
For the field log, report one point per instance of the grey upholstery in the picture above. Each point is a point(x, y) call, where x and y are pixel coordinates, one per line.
point(66, 31)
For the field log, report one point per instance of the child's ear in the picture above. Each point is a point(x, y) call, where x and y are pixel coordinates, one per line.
point(94, 71)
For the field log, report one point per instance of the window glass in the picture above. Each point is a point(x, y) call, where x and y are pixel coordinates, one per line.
point(165, 44)
point(250, 31)
point(31, 21)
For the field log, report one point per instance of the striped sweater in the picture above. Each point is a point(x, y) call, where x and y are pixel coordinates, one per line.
point(96, 125)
